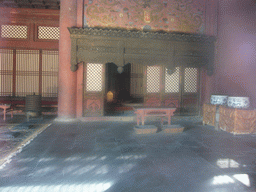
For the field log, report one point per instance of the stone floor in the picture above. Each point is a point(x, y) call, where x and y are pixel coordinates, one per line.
point(109, 156)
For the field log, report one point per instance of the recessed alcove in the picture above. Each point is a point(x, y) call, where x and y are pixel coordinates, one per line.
point(117, 89)
point(144, 61)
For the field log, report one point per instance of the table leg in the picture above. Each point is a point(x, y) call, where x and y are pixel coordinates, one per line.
point(142, 119)
point(4, 114)
point(169, 118)
point(162, 121)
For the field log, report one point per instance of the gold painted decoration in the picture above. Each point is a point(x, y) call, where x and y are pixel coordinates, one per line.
point(147, 18)
point(172, 15)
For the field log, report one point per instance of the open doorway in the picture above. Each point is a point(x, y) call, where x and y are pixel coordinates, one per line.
point(117, 90)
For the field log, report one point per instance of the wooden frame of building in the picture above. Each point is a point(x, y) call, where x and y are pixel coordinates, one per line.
point(169, 50)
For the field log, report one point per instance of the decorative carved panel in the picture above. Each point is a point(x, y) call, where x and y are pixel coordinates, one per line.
point(153, 100)
point(94, 77)
point(14, 31)
point(172, 102)
point(172, 82)
point(93, 105)
point(237, 121)
point(209, 114)
point(191, 80)
point(153, 79)
point(245, 121)
point(93, 90)
point(227, 117)
point(147, 48)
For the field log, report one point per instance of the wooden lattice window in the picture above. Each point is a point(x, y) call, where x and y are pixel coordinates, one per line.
point(94, 77)
point(172, 84)
point(153, 79)
point(51, 33)
point(6, 72)
point(50, 60)
point(14, 31)
point(190, 80)
point(27, 73)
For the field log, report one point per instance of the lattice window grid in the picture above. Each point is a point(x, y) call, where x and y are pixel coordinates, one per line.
point(94, 77)
point(52, 33)
point(190, 81)
point(172, 81)
point(50, 60)
point(153, 79)
point(6, 72)
point(27, 72)
point(14, 31)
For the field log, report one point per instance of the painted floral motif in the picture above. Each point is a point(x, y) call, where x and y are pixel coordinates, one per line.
point(219, 99)
point(171, 15)
point(239, 102)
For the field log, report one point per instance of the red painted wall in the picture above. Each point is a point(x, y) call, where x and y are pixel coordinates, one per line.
point(236, 49)
point(31, 18)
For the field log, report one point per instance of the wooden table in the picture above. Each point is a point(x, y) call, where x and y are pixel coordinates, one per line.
point(4, 107)
point(143, 112)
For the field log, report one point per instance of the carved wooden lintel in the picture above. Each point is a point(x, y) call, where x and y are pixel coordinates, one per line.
point(92, 45)
point(122, 33)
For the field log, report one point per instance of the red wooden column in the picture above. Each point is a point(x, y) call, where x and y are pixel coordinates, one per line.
point(79, 93)
point(67, 78)
point(208, 82)
point(80, 70)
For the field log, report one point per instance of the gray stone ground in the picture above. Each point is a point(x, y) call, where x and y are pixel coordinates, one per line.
point(109, 156)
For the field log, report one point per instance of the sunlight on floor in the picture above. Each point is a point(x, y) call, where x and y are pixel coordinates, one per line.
point(45, 159)
point(243, 178)
point(24, 160)
point(130, 157)
point(227, 163)
point(222, 179)
point(225, 179)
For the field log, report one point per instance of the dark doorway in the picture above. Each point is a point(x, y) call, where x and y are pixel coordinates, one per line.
point(117, 89)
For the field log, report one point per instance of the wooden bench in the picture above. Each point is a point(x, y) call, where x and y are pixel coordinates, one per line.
point(18, 104)
point(49, 106)
point(154, 111)
point(6, 108)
